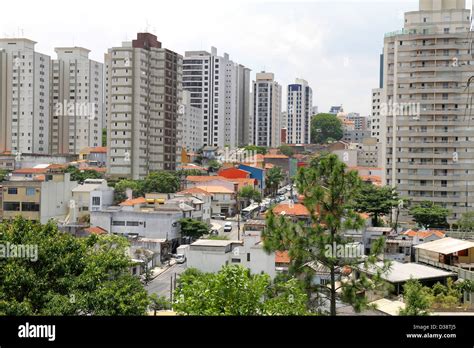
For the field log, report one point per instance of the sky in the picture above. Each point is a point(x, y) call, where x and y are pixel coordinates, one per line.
point(333, 44)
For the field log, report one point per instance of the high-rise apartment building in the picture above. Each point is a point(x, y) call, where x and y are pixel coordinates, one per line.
point(24, 97)
point(191, 124)
point(375, 114)
point(144, 85)
point(427, 125)
point(299, 106)
point(220, 88)
point(267, 98)
point(77, 101)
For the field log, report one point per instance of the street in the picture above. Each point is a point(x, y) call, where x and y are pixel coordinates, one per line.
point(161, 284)
point(233, 235)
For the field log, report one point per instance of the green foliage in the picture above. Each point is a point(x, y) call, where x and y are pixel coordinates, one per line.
point(155, 182)
point(273, 180)
point(430, 215)
point(418, 299)
point(328, 191)
point(104, 137)
point(71, 276)
point(286, 150)
point(261, 150)
point(81, 175)
point(3, 174)
point(466, 223)
point(159, 303)
point(249, 193)
point(235, 291)
point(325, 127)
point(376, 201)
point(193, 228)
point(214, 166)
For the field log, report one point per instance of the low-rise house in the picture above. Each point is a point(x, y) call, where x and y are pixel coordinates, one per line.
point(202, 195)
point(37, 194)
point(400, 273)
point(210, 256)
point(371, 234)
point(295, 211)
point(398, 250)
point(447, 253)
point(422, 236)
point(92, 195)
point(256, 173)
point(223, 199)
point(281, 161)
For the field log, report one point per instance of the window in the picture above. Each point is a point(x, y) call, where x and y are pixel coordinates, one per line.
point(30, 191)
point(95, 200)
point(30, 207)
point(132, 223)
point(235, 260)
point(11, 206)
point(248, 257)
point(12, 191)
point(118, 223)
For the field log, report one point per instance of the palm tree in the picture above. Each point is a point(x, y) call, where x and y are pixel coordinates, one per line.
point(273, 179)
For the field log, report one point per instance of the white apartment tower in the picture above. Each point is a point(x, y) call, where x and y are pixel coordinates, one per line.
point(220, 88)
point(375, 114)
point(299, 107)
point(266, 121)
point(24, 97)
point(144, 85)
point(77, 101)
point(191, 117)
point(427, 124)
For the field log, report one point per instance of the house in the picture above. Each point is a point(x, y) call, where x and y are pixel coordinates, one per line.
point(211, 255)
point(209, 152)
point(194, 181)
point(447, 252)
point(97, 156)
point(255, 173)
point(400, 273)
point(233, 173)
point(92, 195)
point(37, 194)
point(281, 161)
point(223, 199)
point(371, 234)
point(202, 195)
point(422, 236)
point(282, 261)
point(295, 211)
point(398, 250)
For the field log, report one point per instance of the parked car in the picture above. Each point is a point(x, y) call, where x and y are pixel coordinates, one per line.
point(228, 227)
point(218, 217)
point(180, 258)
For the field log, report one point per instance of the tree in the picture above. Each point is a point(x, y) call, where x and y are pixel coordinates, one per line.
point(249, 193)
point(159, 303)
point(121, 188)
point(81, 175)
point(193, 228)
point(273, 179)
point(260, 150)
point(430, 215)
point(64, 275)
point(329, 190)
point(214, 166)
point(325, 127)
point(376, 201)
point(3, 174)
point(466, 222)
point(104, 137)
point(161, 182)
point(417, 299)
point(286, 150)
point(235, 291)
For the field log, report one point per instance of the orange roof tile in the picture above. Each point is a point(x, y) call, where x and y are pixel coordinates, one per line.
point(95, 230)
point(424, 234)
point(31, 171)
point(197, 178)
point(275, 156)
point(195, 190)
point(98, 149)
point(282, 257)
point(132, 202)
point(215, 189)
point(297, 209)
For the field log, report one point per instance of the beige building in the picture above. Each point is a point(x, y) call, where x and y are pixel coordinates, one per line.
point(77, 101)
point(143, 96)
point(266, 116)
point(427, 132)
point(24, 97)
point(37, 194)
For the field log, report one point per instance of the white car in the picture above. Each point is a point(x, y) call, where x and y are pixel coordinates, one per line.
point(228, 227)
point(180, 258)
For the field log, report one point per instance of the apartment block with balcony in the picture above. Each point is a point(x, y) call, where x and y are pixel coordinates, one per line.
point(299, 106)
point(143, 96)
point(427, 124)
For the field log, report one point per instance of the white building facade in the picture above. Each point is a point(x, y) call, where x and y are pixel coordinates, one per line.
point(299, 109)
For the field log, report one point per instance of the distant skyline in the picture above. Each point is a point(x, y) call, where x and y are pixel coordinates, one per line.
point(334, 45)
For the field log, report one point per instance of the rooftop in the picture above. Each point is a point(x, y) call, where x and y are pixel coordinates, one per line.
point(296, 209)
point(446, 246)
point(214, 243)
point(402, 272)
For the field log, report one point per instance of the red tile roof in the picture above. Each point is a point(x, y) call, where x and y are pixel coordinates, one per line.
point(195, 190)
point(31, 171)
point(132, 202)
point(282, 257)
point(197, 178)
point(276, 156)
point(297, 209)
point(424, 234)
point(95, 230)
point(98, 149)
